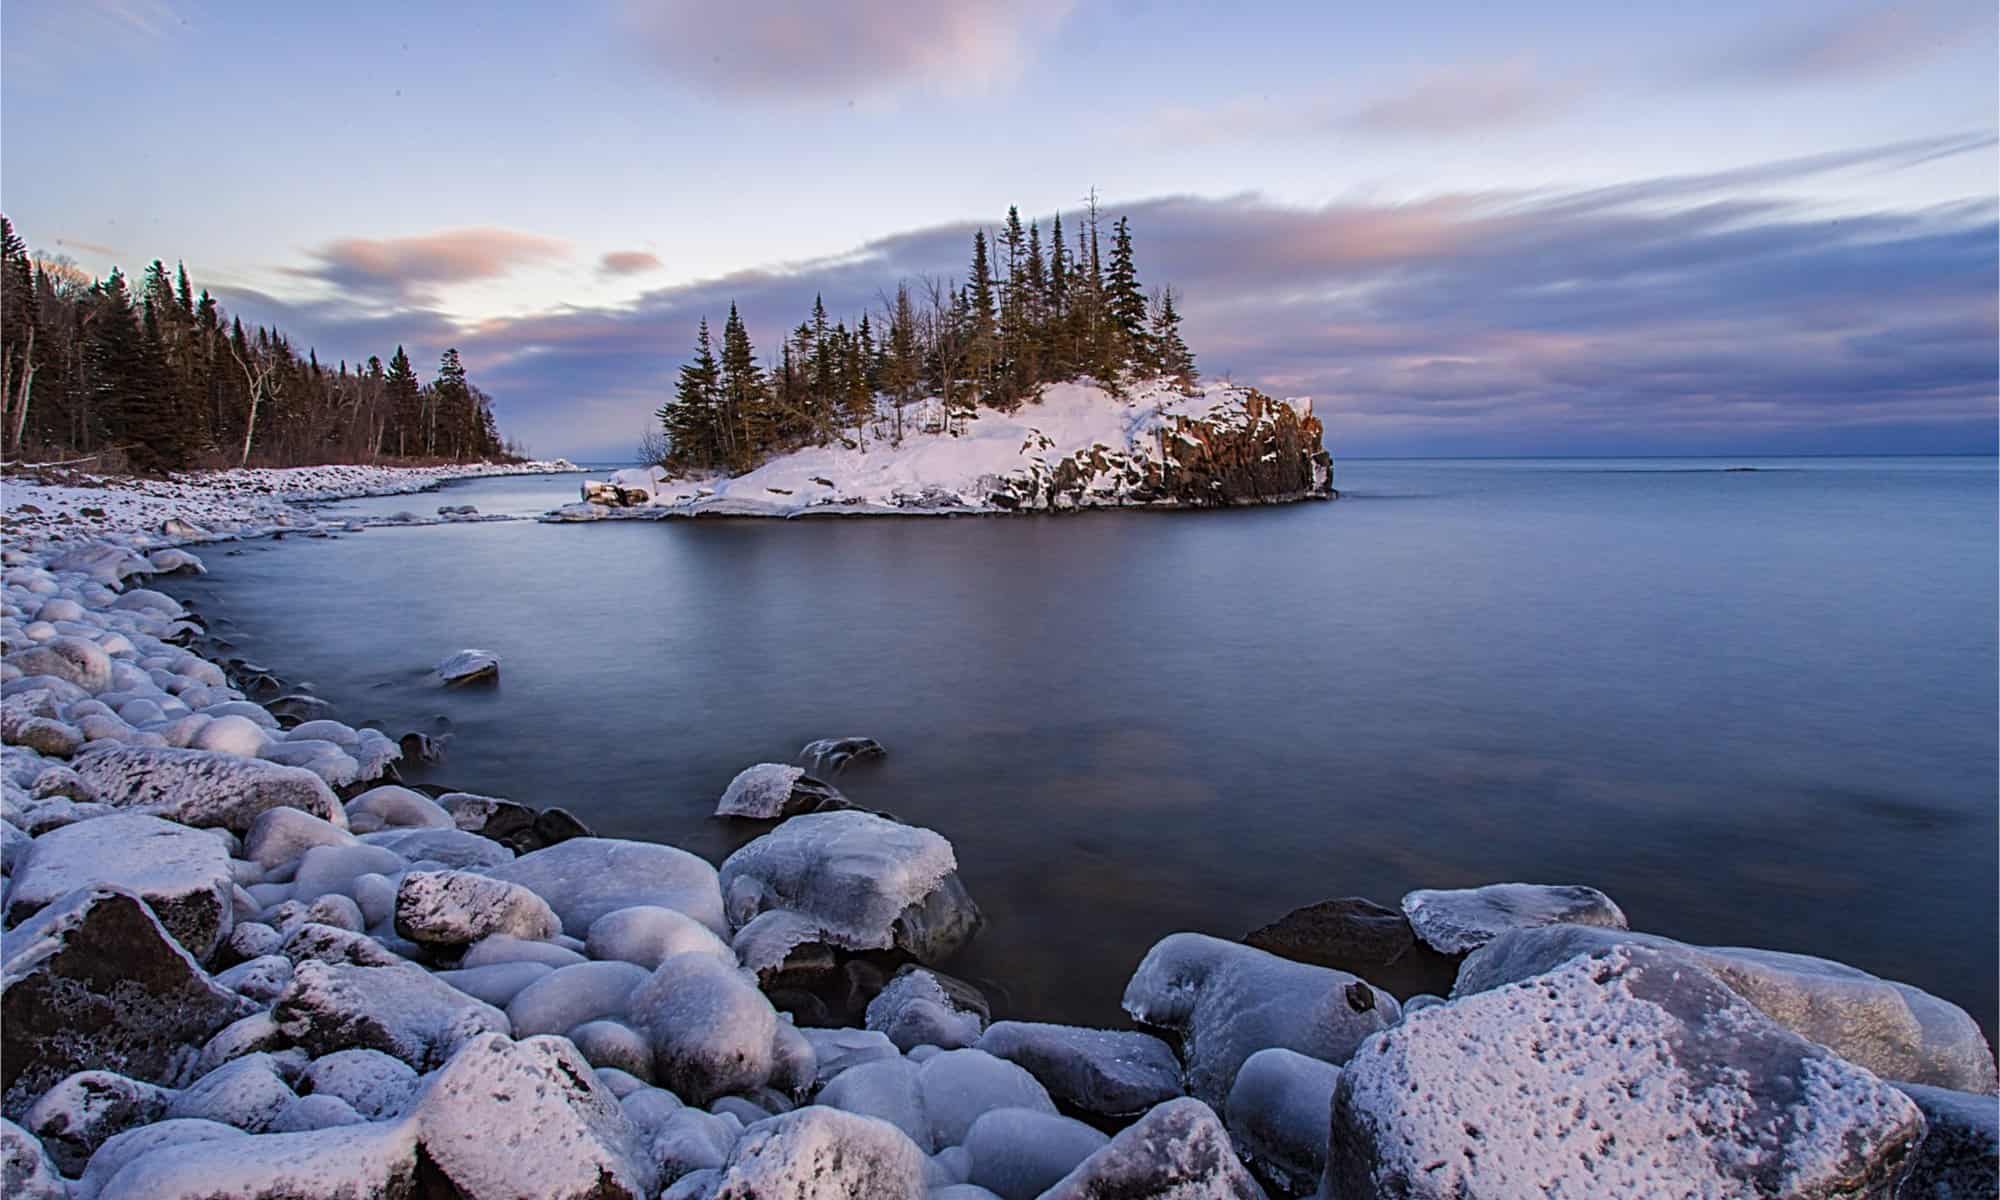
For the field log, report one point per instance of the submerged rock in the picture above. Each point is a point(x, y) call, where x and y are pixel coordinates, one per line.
point(1178, 1150)
point(203, 788)
point(1463, 919)
point(833, 754)
point(182, 874)
point(469, 666)
point(1104, 1072)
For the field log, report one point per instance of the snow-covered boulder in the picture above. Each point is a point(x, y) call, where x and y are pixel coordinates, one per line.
point(607, 1044)
point(1227, 1001)
point(711, 1030)
point(133, 1144)
point(648, 935)
point(363, 1160)
point(862, 881)
point(1627, 1072)
point(1960, 1154)
point(260, 979)
point(1895, 1030)
point(279, 835)
point(774, 791)
point(75, 660)
point(315, 1112)
point(1178, 1149)
point(95, 982)
point(1105, 1072)
point(247, 1092)
point(394, 806)
point(1460, 920)
point(450, 847)
point(457, 908)
point(202, 788)
point(586, 877)
point(919, 1007)
point(496, 983)
point(835, 1050)
point(469, 666)
point(374, 1084)
point(1277, 1117)
point(819, 1151)
point(26, 1171)
point(89, 1108)
point(1017, 1153)
point(309, 941)
point(401, 1010)
point(182, 874)
point(570, 996)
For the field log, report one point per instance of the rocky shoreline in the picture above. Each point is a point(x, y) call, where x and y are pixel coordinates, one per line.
point(241, 961)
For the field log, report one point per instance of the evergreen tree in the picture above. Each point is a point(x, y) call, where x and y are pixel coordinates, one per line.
point(1125, 305)
point(114, 358)
point(982, 332)
point(1176, 361)
point(405, 401)
point(692, 419)
point(743, 393)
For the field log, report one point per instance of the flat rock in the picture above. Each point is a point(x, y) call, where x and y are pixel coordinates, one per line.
point(1623, 1073)
point(822, 1152)
point(183, 874)
point(1460, 920)
point(1104, 1072)
point(457, 908)
point(1177, 1151)
point(95, 982)
point(1895, 1030)
point(89, 1108)
point(202, 788)
point(584, 878)
point(1227, 1001)
point(400, 1010)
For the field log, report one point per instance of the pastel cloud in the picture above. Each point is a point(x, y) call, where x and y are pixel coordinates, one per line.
point(628, 262)
point(409, 266)
point(1465, 99)
point(1856, 42)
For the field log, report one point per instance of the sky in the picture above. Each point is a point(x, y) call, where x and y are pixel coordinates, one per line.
point(1557, 227)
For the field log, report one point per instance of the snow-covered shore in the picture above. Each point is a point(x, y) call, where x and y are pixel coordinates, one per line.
point(239, 961)
point(1075, 446)
point(231, 503)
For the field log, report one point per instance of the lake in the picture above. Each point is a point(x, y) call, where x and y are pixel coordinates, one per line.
point(1756, 707)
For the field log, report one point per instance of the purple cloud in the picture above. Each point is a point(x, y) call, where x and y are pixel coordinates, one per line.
point(628, 262)
point(1465, 99)
point(1856, 42)
point(408, 267)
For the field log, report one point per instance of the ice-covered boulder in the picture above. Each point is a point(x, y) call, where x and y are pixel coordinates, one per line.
point(1104, 1072)
point(325, 869)
point(457, 908)
point(95, 982)
point(822, 1152)
point(863, 881)
point(496, 983)
point(570, 996)
point(835, 1050)
point(711, 1030)
point(1178, 1149)
point(586, 877)
point(774, 791)
point(309, 941)
point(1895, 1030)
point(374, 1084)
point(1277, 1117)
point(202, 788)
point(365, 1160)
point(75, 660)
point(315, 1112)
point(125, 1148)
point(500, 948)
point(183, 874)
point(1227, 1001)
point(647, 935)
point(279, 835)
point(394, 806)
point(449, 847)
point(1960, 1155)
point(920, 1007)
point(1460, 920)
point(26, 1171)
point(469, 666)
point(400, 1010)
point(247, 1092)
point(261, 979)
point(1626, 1072)
point(89, 1108)
point(1017, 1153)
point(231, 734)
point(957, 1087)
point(614, 1045)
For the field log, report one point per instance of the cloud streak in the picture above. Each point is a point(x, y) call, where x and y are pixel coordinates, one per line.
point(1470, 99)
point(1856, 43)
point(628, 262)
point(409, 268)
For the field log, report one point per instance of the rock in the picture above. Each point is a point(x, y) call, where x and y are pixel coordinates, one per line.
point(324, 869)
point(499, 948)
point(1362, 938)
point(201, 788)
point(1461, 920)
point(182, 874)
point(345, 1161)
point(1960, 1153)
point(254, 939)
point(1897, 1031)
point(585, 877)
point(834, 754)
point(469, 666)
point(865, 882)
point(711, 1030)
point(565, 1136)
point(1278, 1118)
point(1177, 1151)
point(26, 1172)
point(315, 1112)
point(682, 1140)
point(133, 1144)
point(231, 734)
point(774, 791)
point(1018, 1153)
point(374, 1084)
point(609, 1044)
point(835, 1050)
point(95, 982)
point(569, 996)
point(457, 908)
point(822, 1152)
point(449, 847)
point(338, 911)
point(312, 942)
point(74, 660)
point(1104, 1072)
point(279, 835)
point(885, 1089)
point(488, 816)
point(89, 1108)
point(922, 1008)
point(260, 979)
point(647, 935)
point(1627, 1072)
point(247, 1093)
point(1228, 1000)
point(391, 806)
point(400, 1010)
point(496, 983)
point(43, 735)
point(257, 1033)
point(957, 1087)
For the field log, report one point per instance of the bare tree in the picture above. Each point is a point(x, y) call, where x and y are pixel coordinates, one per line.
point(259, 374)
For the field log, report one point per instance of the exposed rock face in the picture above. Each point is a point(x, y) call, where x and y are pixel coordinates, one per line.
point(1178, 1150)
point(203, 788)
point(182, 874)
point(1625, 1073)
point(94, 981)
point(1895, 1030)
point(1460, 920)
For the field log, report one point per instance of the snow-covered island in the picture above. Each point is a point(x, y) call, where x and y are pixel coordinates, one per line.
point(1076, 446)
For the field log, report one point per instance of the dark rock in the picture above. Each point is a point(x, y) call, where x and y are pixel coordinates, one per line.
point(1362, 938)
point(1960, 1155)
point(834, 754)
point(182, 874)
point(557, 825)
point(26, 1172)
point(89, 1108)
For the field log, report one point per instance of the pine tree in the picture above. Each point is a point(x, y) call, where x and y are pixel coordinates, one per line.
point(692, 419)
point(902, 366)
point(113, 358)
point(1126, 307)
point(405, 400)
point(1176, 361)
point(982, 334)
point(743, 394)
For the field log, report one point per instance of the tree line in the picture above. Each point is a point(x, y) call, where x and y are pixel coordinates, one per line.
point(156, 378)
point(1030, 311)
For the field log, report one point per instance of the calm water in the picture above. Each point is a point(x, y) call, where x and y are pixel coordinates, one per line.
point(1756, 708)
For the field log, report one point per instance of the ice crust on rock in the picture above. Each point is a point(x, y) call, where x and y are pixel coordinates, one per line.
point(469, 666)
point(957, 1087)
point(1105, 1072)
point(346, 1161)
point(1628, 1072)
point(457, 908)
point(1227, 1001)
point(585, 877)
point(124, 1148)
point(200, 787)
point(496, 983)
point(1460, 920)
point(570, 996)
point(711, 1030)
point(647, 935)
point(392, 806)
point(182, 874)
point(1277, 1117)
point(376, 1085)
point(917, 1009)
point(280, 835)
point(401, 1010)
point(772, 792)
point(1018, 1153)
point(818, 1152)
point(1895, 1030)
point(1177, 1151)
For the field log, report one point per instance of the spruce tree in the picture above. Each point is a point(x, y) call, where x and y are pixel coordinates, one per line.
point(743, 394)
point(113, 359)
point(1176, 361)
point(982, 333)
point(404, 398)
point(1125, 306)
point(691, 420)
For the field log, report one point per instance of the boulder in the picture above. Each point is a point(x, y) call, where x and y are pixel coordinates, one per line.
point(822, 1152)
point(957, 1087)
point(610, 1044)
point(246, 1092)
point(279, 835)
point(457, 908)
point(569, 996)
point(1017, 1153)
point(182, 874)
point(75, 660)
point(774, 791)
point(26, 1171)
point(315, 1112)
point(1895, 1030)
point(400, 1010)
point(1103, 1072)
point(1960, 1155)
point(393, 806)
point(448, 847)
point(89, 1108)
point(345, 1161)
point(95, 982)
point(374, 1084)
point(1177, 1151)
point(711, 1030)
point(1227, 1001)
point(647, 935)
point(1461, 920)
point(1277, 1118)
point(261, 979)
point(133, 1144)
point(920, 1007)
point(496, 983)
point(584, 878)
point(1360, 937)
point(202, 788)
point(469, 666)
point(1626, 1072)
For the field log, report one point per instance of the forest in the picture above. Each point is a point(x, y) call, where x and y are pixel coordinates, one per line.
point(152, 378)
point(1030, 311)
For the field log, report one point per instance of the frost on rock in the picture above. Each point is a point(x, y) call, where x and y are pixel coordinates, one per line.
point(449, 847)
point(401, 1010)
point(89, 1108)
point(346, 1161)
point(1278, 1117)
point(1017, 1153)
point(1227, 1001)
point(820, 1152)
point(1960, 1155)
point(648, 935)
point(457, 908)
point(958, 1086)
point(247, 1093)
point(507, 1119)
point(834, 754)
point(1897, 1031)
point(1460, 920)
point(865, 882)
point(26, 1171)
point(711, 1030)
point(202, 788)
point(1629, 1072)
point(835, 1050)
point(73, 660)
point(280, 835)
point(586, 877)
point(1104, 1072)
point(469, 666)
point(377, 1085)
point(182, 874)
point(1178, 1150)
point(570, 996)
point(496, 983)
point(394, 806)
point(922, 1008)
point(95, 982)
point(133, 1144)
point(774, 791)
